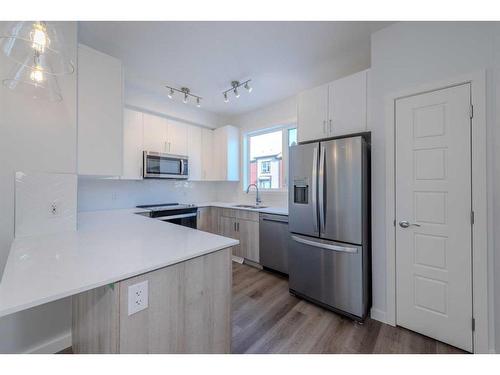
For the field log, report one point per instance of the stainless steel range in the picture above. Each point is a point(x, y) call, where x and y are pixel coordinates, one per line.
point(181, 214)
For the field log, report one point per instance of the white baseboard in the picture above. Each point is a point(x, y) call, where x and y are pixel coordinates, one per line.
point(377, 314)
point(53, 345)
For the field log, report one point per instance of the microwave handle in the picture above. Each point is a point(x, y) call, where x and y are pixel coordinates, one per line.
point(183, 167)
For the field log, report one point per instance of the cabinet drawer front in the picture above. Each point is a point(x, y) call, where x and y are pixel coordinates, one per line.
point(240, 214)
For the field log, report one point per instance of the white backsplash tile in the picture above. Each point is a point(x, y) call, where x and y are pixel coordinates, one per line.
point(45, 203)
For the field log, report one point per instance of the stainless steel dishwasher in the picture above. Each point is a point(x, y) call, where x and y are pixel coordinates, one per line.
point(273, 242)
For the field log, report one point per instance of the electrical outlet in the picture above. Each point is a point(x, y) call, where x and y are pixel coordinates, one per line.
point(114, 196)
point(137, 297)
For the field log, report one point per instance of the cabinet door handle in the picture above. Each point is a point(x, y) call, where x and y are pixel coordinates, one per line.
point(238, 226)
point(330, 126)
point(324, 126)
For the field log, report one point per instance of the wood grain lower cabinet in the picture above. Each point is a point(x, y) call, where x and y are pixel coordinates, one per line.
point(189, 311)
point(244, 226)
point(228, 228)
point(249, 239)
point(208, 219)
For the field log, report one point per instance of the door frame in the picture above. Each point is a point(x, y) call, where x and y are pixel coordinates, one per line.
point(481, 294)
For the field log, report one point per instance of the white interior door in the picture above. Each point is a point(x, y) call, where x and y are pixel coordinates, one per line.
point(433, 194)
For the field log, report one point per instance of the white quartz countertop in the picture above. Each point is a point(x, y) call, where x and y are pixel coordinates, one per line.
point(267, 210)
point(108, 246)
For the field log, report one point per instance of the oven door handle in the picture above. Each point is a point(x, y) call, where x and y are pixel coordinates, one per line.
point(181, 216)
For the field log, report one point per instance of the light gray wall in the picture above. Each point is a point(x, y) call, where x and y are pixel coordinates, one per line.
point(411, 53)
point(38, 136)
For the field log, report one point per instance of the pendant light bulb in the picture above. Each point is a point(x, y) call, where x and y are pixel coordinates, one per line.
point(171, 94)
point(236, 93)
point(198, 102)
point(185, 99)
point(39, 37)
point(226, 99)
point(247, 86)
point(36, 75)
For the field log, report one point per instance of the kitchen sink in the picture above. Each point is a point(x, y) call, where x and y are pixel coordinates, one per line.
point(249, 206)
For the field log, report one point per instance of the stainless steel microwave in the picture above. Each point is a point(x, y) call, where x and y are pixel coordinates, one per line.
point(158, 165)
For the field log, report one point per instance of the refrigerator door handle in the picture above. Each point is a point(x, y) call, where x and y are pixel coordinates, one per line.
point(314, 189)
point(321, 190)
point(342, 249)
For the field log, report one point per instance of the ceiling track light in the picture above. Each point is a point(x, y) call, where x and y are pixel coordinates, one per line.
point(235, 85)
point(186, 92)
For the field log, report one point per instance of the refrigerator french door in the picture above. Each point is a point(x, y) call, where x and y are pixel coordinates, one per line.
point(329, 219)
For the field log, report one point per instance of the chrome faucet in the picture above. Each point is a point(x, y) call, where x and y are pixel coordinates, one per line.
point(257, 197)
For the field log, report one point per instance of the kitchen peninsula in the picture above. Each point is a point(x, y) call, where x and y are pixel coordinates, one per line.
point(188, 289)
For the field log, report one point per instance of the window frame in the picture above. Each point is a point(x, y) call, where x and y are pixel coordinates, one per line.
point(284, 148)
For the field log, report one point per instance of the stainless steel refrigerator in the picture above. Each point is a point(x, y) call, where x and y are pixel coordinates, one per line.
point(329, 224)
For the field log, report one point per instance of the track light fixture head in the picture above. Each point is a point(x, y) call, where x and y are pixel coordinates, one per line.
point(186, 94)
point(247, 87)
point(235, 85)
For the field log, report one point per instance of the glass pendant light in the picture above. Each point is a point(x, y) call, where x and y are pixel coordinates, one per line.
point(33, 82)
point(38, 55)
point(22, 39)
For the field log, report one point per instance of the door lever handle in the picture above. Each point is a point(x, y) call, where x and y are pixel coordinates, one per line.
point(406, 224)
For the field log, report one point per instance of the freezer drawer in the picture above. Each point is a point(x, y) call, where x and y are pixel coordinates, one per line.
point(273, 242)
point(328, 272)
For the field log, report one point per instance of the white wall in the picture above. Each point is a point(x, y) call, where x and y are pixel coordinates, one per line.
point(39, 136)
point(411, 53)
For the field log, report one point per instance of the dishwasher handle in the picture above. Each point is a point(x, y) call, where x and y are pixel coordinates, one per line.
point(276, 219)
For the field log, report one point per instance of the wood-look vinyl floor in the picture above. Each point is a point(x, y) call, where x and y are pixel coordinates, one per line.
point(267, 319)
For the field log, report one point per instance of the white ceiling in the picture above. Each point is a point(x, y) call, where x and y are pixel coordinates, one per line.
point(281, 58)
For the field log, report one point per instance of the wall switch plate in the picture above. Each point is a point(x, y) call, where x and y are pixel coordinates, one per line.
point(137, 297)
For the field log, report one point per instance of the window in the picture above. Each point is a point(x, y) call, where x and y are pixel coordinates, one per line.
point(265, 167)
point(266, 154)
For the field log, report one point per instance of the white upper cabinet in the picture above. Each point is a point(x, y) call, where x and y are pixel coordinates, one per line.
point(155, 133)
point(312, 114)
point(226, 151)
point(207, 154)
point(176, 138)
point(334, 109)
point(100, 113)
point(347, 104)
point(194, 152)
point(132, 144)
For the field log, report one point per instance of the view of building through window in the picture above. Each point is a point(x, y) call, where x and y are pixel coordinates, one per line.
point(266, 160)
point(266, 166)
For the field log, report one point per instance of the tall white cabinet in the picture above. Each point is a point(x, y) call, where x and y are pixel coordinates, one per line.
point(100, 113)
point(333, 109)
